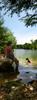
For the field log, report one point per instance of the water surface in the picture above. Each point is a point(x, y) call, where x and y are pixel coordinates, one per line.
point(27, 72)
point(22, 54)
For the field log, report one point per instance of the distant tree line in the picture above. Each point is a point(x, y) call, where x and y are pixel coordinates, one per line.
point(32, 45)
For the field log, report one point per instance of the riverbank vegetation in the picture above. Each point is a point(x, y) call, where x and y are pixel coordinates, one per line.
point(32, 45)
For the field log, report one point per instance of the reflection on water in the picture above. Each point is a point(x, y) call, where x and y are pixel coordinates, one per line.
point(27, 74)
point(22, 54)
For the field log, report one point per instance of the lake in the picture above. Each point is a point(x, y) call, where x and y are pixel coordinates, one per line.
point(27, 72)
point(22, 54)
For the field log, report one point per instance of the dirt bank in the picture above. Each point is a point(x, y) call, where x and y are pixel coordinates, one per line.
point(14, 90)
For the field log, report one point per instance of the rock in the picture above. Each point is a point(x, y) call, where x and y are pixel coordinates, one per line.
point(20, 92)
point(27, 72)
point(32, 81)
point(6, 66)
point(31, 88)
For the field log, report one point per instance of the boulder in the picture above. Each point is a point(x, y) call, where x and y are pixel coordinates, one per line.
point(6, 65)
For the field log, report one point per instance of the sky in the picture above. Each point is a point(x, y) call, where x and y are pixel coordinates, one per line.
point(22, 33)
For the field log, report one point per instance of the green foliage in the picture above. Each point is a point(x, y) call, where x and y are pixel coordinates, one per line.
point(32, 45)
point(17, 6)
point(6, 36)
point(30, 19)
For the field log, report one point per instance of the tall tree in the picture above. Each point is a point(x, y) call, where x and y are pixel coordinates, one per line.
point(6, 36)
point(17, 6)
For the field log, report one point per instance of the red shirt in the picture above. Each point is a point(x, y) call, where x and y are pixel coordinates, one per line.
point(8, 50)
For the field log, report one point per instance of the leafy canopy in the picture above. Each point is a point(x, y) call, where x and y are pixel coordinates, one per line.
point(17, 6)
point(6, 36)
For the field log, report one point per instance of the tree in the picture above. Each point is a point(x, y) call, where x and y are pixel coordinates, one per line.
point(6, 36)
point(17, 6)
point(34, 44)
